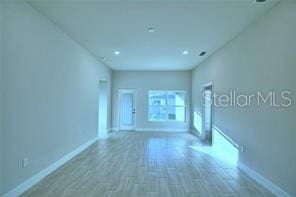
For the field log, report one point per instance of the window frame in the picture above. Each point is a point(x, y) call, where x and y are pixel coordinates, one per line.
point(166, 119)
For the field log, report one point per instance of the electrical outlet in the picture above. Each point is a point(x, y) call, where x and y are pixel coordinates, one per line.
point(25, 162)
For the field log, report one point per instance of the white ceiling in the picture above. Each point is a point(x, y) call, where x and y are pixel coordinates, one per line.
point(106, 26)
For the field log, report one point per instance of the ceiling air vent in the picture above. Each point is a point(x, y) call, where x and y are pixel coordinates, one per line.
point(202, 53)
point(260, 1)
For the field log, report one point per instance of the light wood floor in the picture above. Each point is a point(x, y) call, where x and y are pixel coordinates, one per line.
point(146, 164)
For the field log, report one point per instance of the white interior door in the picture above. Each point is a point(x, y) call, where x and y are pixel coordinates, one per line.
point(207, 113)
point(127, 110)
point(208, 110)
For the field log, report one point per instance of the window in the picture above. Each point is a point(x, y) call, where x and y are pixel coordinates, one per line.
point(157, 105)
point(167, 106)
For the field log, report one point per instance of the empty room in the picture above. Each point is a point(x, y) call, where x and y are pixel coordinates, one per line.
point(136, 98)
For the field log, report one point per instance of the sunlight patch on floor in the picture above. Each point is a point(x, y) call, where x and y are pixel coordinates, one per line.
point(221, 149)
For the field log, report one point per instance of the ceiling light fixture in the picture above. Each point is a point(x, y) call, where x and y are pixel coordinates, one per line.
point(185, 52)
point(151, 29)
point(117, 52)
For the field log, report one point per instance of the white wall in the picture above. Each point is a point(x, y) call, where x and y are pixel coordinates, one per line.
point(143, 81)
point(1, 130)
point(261, 58)
point(50, 93)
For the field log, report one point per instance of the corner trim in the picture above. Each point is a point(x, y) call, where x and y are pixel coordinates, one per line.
point(276, 190)
point(162, 130)
point(51, 168)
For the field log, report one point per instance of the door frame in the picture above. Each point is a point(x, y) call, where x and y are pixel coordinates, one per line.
point(100, 133)
point(120, 92)
point(203, 136)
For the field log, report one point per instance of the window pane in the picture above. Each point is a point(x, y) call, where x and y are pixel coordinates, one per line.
point(176, 98)
point(176, 113)
point(156, 113)
point(157, 98)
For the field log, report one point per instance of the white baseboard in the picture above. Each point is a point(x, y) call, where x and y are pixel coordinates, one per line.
point(38, 177)
point(162, 130)
point(115, 129)
point(276, 190)
point(155, 129)
point(195, 132)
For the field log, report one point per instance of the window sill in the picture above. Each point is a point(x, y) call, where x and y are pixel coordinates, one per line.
point(166, 121)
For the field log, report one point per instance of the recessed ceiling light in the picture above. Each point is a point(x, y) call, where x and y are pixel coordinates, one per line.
point(117, 52)
point(202, 53)
point(185, 52)
point(151, 29)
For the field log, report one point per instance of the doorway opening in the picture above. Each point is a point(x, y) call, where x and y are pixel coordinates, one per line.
point(127, 109)
point(103, 109)
point(207, 113)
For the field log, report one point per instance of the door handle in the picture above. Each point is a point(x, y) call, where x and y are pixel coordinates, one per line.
point(134, 111)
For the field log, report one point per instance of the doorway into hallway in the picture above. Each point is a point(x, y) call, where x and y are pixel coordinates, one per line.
point(103, 109)
point(207, 112)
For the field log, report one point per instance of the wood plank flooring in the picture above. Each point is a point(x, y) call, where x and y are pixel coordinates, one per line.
point(134, 164)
